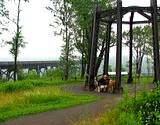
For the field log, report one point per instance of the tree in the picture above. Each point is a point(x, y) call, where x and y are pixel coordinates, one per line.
point(83, 10)
point(17, 41)
point(82, 27)
point(142, 44)
point(3, 21)
point(81, 46)
point(70, 63)
point(63, 14)
point(103, 48)
point(75, 17)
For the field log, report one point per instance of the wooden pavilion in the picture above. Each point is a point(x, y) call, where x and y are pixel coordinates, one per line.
point(115, 15)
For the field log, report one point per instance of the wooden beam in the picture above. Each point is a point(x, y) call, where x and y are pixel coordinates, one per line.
point(109, 12)
point(130, 79)
point(136, 9)
point(142, 22)
point(155, 41)
point(89, 38)
point(93, 54)
point(107, 49)
point(127, 22)
point(145, 15)
point(125, 10)
point(119, 45)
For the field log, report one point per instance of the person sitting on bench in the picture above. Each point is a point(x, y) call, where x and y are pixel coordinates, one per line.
point(103, 82)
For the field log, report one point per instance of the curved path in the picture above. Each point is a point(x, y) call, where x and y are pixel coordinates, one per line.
point(70, 115)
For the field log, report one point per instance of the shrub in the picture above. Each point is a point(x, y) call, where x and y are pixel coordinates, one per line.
point(21, 75)
point(12, 86)
point(145, 108)
point(33, 75)
point(148, 107)
point(52, 73)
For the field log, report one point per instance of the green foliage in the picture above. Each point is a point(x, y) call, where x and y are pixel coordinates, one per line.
point(142, 39)
point(49, 73)
point(38, 100)
point(21, 75)
point(147, 106)
point(81, 25)
point(64, 17)
point(3, 23)
point(52, 73)
point(67, 62)
point(33, 75)
point(11, 86)
point(17, 41)
point(75, 17)
point(144, 108)
point(127, 119)
point(3, 80)
point(73, 67)
point(142, 44)
point(15, 46)
point(83, 9)
point(123, 68)
point(1, 5)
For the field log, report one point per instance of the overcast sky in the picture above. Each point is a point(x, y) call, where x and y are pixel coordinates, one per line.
point(42, 44)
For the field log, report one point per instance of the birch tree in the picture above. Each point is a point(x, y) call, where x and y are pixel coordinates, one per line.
point(17, 41)
point(142, 45)
point(63, 16)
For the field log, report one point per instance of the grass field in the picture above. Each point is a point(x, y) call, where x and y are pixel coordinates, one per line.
point(12, 86)
point(39, 99)
point(35, 95)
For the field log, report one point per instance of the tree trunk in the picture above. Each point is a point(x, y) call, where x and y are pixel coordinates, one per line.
point(140, 66)
point(67, 44)
point(107, 49)
point(100, 58)
point(137, 61)
point(88, 56)
point(67, 54)
point(16, 42)
point(148, 66)
point(83, 56)
point(83, 68)
point(94, 42)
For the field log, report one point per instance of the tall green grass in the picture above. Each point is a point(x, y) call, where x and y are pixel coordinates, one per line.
point(38, 100)
point(12, 86)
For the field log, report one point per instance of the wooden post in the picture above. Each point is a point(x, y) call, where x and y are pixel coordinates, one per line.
point(130, 79)
point(119, 46)
point(89, 55)
point(107, 49)
point(155, 41)
point(93, 54)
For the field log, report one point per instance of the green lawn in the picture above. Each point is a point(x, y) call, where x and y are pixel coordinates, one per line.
point(12, 86)
point(40, 99)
